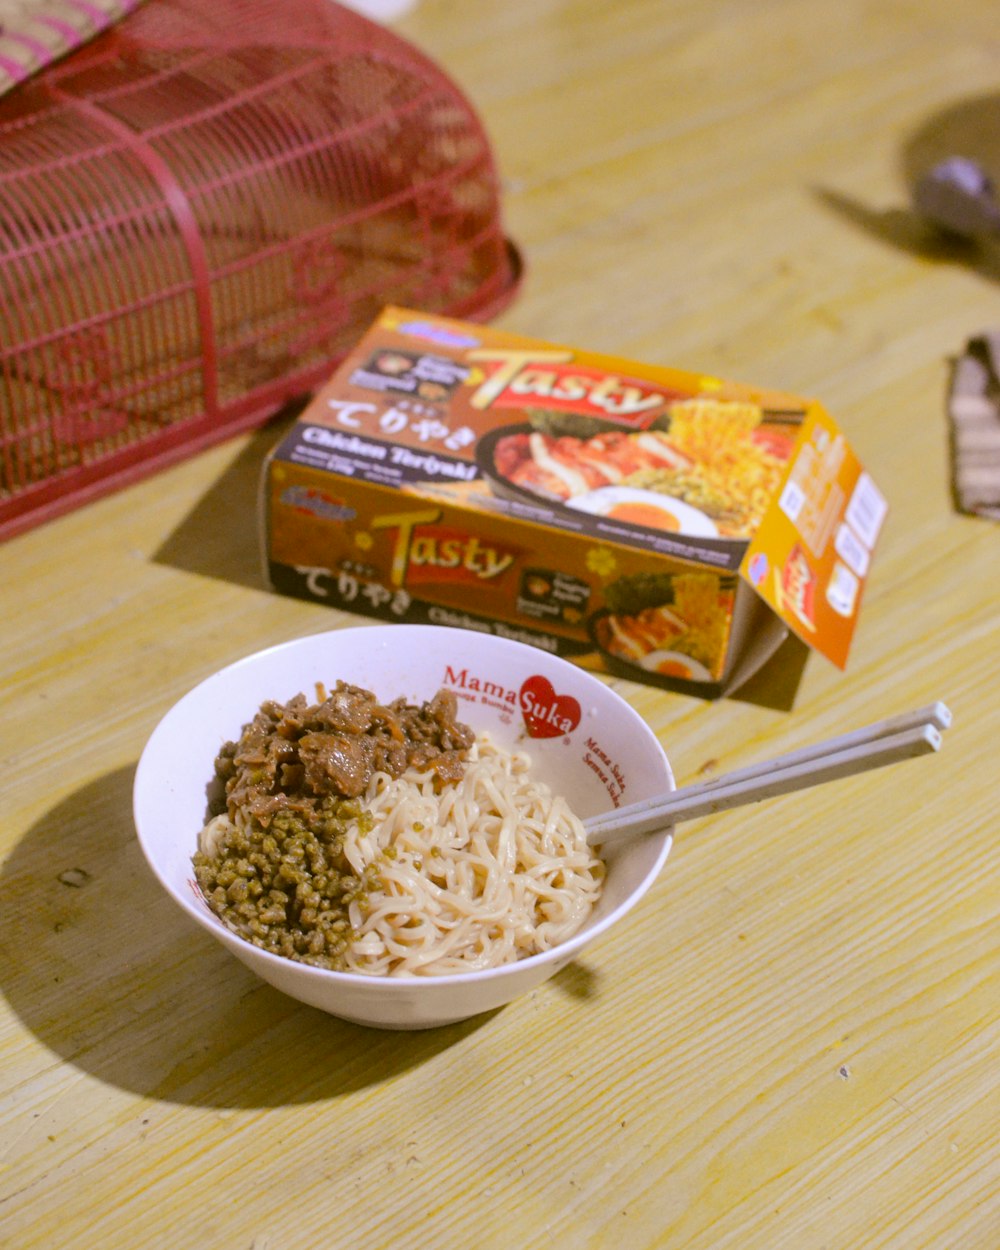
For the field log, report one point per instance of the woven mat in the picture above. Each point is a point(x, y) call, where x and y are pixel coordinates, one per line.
point(34, 33)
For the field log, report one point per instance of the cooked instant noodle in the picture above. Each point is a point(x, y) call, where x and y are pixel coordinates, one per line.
point(421, 874)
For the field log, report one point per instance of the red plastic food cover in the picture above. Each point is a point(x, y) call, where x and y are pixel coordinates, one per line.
point(200, 211)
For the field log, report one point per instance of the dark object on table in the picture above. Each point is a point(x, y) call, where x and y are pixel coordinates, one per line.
point(957, 195)
point(974, 408)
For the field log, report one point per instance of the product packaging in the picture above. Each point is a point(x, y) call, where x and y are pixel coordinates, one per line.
point(643, 521)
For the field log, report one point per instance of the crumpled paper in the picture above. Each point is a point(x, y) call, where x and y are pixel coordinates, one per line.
point(974, 410)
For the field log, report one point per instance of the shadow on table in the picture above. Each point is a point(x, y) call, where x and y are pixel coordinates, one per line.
point(220, 536)
point(106, 971)
point(776, 684)
point(969, 128)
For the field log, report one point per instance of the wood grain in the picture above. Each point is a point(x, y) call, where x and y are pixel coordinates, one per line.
point(794, 1041)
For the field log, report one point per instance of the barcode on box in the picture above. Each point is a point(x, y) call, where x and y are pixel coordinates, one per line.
point(791, 500)
point(866, 510)
point(853, 553)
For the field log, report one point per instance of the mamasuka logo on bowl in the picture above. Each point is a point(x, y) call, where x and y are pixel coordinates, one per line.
point(546, 713)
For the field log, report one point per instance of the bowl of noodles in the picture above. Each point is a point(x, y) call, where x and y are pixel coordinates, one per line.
point(384, 822)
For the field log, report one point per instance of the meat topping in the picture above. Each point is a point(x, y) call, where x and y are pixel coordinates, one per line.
point(292, 755)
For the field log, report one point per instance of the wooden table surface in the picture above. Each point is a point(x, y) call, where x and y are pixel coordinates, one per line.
point(795, 1040)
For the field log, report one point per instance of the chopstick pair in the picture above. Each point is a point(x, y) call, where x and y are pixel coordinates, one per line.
point(885, 742)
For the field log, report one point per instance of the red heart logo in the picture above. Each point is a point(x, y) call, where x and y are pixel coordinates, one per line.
point(547, 714)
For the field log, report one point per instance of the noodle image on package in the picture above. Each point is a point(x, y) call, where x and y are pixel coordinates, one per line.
point(721, 458)
point(673, 625)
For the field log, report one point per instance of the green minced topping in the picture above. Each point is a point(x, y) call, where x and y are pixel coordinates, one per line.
point(286, 887)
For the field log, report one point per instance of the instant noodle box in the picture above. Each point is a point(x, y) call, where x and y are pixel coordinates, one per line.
point(655, 524)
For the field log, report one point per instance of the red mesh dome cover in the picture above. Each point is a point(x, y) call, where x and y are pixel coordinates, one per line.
point(200, 212)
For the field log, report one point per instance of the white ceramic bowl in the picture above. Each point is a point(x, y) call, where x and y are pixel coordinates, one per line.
point(584, 739)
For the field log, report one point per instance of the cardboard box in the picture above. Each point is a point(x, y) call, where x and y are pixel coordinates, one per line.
point(641, 521)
